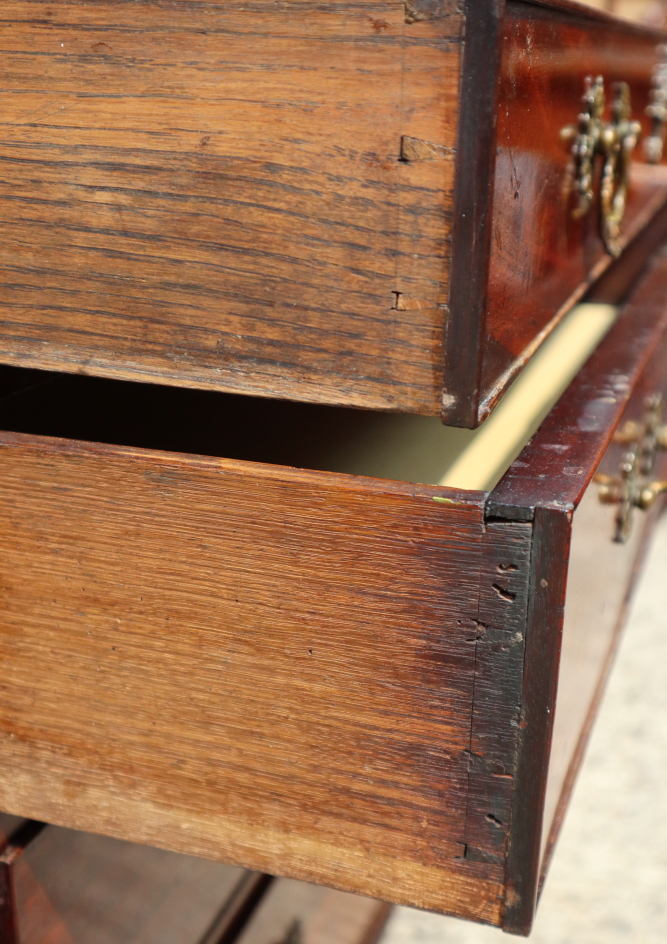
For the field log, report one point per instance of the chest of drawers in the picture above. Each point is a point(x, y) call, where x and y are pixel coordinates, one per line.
point(369, 204)
point(308, 672)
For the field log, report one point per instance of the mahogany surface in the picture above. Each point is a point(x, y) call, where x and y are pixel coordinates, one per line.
point(574, 623)
point(541, 256)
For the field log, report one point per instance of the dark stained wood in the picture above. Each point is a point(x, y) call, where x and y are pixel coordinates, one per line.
point(602, 577)
point(581, 578)
point(498, 635)
point(547, 595)
point(542, 259)
point(296, 913)
point(556, 467)
point(620, 279)
point(10, 853)
point(473, 203)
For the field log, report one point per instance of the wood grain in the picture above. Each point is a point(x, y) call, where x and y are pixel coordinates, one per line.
point(234, 660)
point(271, 199)
point(213, 194)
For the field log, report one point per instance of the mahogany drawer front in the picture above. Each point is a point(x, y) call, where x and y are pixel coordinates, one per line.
point(322, 676)
point(303, 202)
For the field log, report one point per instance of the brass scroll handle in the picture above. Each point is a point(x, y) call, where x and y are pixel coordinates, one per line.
point(614, 141)
point(629, 490)
point(649, 435)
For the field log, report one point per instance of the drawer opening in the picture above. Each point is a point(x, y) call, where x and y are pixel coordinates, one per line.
point(399, 447)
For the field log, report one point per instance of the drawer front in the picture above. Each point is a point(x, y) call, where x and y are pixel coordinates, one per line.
point(540, 255)
point(584, 570)
point(601, 577)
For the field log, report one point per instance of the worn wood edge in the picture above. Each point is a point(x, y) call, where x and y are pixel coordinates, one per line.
point(623, 355)
point(642, 233)
point(499, 639)
point(348, 396)
point(504, 434)
point(454, 891)
point(473, 203)
point(584, 738)
point(448, 497)
point(544, 626)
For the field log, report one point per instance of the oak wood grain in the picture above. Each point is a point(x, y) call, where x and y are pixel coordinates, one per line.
point(213, 194)
point(262, 665)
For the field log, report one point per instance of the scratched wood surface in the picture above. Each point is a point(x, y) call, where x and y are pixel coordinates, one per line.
point(254, 197)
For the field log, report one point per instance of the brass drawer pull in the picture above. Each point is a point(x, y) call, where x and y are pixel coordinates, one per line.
point(614, 141)
point(629, 490)
point(649, 436)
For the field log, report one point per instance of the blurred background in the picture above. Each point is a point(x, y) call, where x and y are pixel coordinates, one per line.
point(608, 879)
point(646, 11)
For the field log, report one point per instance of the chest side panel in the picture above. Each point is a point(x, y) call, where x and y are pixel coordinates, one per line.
point(254, 198)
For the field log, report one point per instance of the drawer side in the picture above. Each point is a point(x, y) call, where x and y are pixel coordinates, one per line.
point(252, 664)
point(254, 199)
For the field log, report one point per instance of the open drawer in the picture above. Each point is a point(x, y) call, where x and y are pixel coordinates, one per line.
point(270, 661)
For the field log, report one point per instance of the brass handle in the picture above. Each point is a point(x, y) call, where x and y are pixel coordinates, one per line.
point(650, 493)
point(648, 436)
point(615, 141)
point(628, 490)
